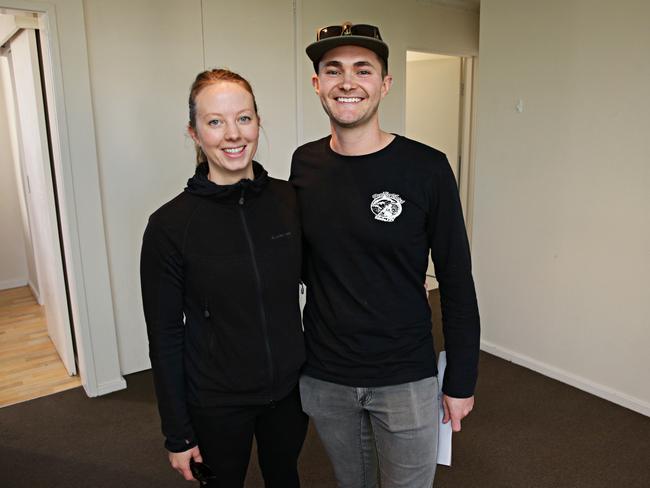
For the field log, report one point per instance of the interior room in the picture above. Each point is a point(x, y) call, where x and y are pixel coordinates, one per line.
point(544, 119)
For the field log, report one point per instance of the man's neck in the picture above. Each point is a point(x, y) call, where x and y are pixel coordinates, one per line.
point(357, 141)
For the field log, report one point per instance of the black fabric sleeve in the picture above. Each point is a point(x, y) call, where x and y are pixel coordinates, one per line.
point(161, 277)
point(451, 258)
point(304, 250)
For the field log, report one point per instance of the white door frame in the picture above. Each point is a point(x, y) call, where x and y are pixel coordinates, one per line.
point(467, 138)
point(67, 82)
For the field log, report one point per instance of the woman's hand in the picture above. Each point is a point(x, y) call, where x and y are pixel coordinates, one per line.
point(180, 461)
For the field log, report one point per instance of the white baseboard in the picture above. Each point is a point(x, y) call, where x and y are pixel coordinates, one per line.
point(142, 364)
point(35, 293)
point(615, 396)
point(7, 284)
point(111, 386)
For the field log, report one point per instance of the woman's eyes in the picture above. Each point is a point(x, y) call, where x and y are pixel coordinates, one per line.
point(242, 119)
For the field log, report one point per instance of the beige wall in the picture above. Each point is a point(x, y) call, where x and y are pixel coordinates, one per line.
point(562, 201)
point(261, 48)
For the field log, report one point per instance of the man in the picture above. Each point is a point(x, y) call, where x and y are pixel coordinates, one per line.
point(373, 205)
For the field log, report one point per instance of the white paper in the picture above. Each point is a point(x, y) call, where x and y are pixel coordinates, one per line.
point(444, 430)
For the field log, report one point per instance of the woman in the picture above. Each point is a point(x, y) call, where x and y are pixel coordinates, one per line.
point(220, 269)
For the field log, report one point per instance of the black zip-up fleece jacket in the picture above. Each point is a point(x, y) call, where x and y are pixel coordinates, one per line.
point(220, 269)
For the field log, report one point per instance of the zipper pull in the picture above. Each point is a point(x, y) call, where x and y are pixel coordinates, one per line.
point(206, 310)
point(302, 288)
point(241, 197)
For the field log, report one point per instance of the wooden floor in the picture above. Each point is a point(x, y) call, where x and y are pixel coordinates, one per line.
point(29, 364)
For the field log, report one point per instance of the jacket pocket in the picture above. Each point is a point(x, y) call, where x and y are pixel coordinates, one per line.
point(208, 324)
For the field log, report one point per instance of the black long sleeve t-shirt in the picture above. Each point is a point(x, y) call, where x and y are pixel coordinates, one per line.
point(368, 225)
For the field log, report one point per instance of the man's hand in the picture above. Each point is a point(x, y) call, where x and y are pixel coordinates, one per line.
point(180, 461)
point(456, 409)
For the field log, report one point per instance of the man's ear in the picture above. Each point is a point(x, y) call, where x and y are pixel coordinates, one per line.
point(386, 83)
point(315, 82)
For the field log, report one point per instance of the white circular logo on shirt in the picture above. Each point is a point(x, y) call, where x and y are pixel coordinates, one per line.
point(386, 206)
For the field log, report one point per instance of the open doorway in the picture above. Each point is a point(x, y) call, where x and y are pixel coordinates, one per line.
point(33, 137)
point(439, 98)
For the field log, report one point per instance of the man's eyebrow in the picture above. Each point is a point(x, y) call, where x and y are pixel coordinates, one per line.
point(358, 64)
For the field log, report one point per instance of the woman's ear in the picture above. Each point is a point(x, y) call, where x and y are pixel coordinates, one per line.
point(192, 132)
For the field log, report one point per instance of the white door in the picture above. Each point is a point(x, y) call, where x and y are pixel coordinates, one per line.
point(30, 115)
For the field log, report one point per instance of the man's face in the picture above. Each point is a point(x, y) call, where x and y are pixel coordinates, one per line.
point(350, 85)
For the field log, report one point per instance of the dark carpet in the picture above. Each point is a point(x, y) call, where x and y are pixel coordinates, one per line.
point(525, 431)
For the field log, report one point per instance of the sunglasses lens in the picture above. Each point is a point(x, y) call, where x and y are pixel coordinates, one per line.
point(365, 30)
point(331, 31)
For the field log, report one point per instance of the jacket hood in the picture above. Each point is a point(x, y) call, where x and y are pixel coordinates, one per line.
point(199, 184)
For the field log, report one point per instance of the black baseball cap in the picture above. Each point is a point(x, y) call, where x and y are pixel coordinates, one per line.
point(346, 34)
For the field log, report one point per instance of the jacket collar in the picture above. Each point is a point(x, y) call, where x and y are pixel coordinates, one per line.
point(200, 185)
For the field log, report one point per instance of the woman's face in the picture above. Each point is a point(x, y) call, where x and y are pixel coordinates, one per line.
point(227, 129)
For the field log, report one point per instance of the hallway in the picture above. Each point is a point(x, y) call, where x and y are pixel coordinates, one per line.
point(29, 364)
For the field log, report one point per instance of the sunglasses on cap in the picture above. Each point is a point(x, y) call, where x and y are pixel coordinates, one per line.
point(348, 29)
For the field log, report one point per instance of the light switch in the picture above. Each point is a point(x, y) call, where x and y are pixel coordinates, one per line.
point(520, 106)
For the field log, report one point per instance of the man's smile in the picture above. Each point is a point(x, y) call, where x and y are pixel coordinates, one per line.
point(348, 99)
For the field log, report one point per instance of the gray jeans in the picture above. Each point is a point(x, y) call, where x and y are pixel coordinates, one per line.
point(388, 433)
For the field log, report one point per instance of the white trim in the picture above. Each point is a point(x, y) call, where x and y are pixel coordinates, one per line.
point(110, 387)
point(602, 391)
point(11, 24)
point(34, 289)
point(465, 140)
point(15, 283)
point(470, 166)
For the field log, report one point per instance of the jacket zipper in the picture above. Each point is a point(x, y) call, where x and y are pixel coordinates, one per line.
point(258, 282)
